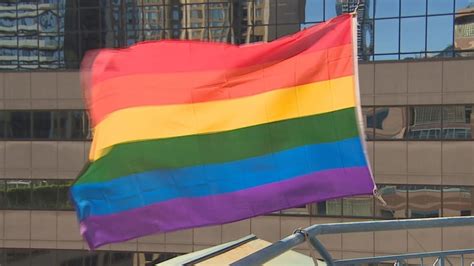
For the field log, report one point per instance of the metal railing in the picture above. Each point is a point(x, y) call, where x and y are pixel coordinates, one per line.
point(311, 233)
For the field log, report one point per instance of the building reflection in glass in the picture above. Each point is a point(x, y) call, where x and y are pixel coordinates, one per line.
point(396, 198)
point(464, 30)
point(458, 201)
point(388, 122)
point(31, 34)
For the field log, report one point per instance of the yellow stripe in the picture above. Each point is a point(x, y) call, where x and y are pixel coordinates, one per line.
point(155, 122)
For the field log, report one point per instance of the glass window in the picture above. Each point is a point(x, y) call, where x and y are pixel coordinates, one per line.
point(300, 210)
point(314, 10)
point(18, 194)
point(368, 114)
point(360, 206)
point(386, 36)
point(388, 122)
point(63, 195)
point(287, 12)
point(440, 6)
point(386, 8)
point(328, 208)
point(70, 257)
point(17, 257)
point(123, 258)
point(44, 124)
point(73, 124)
point(330, 9)
point(424, 201)
point(412, 35)
point(458, 201)
point(3, 200)
point(457, 122)
point(40, 257)
point(44, 194)
point(462, 5)
point(424, 122)
point(440, 33)
point(396, 198)
point(413, 7)
point(18, 124)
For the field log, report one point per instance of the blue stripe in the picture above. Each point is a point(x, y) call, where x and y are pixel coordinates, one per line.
point(138, 190)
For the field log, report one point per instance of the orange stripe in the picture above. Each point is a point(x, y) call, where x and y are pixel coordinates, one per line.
point(192, 87)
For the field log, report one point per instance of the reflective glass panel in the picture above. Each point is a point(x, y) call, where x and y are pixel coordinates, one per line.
point(369, 125)
point(457, 122)
point(288, 12)
point(44, 124)
point(328, 208)
point(463, 5)
point(458, 201)
point(70, 257)
point(63, 194)
point(300, 210)
point(412, 35)
point(386, 36)
point(396, 198)
point(3, 202)
point(18, 124)
point(413, 7)
point(360, 206)
point(440, 33)
point(388, 122)
point(440, 6)
point(44, 194)
point(464, 32)
point(41, 257)
point(330, 9)
point(18, 194)
point(424, 122)
point(73, 124)
point(386, 8)
point(122, 258)
point(424, 201)
point(314, 10)
point(17, 257)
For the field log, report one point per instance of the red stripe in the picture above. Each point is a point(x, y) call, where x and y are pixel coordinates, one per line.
point(187, 56)
point(181, 88)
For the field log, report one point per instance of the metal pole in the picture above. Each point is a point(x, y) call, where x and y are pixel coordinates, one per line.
point(322, 250)
point(291, 241)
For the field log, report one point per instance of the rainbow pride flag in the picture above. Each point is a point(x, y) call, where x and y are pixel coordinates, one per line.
point(189, 134)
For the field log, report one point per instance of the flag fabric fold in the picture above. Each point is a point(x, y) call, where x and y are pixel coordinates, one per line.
point(189, 134)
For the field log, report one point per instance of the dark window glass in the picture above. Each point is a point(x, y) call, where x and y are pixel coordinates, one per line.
point(3, 123)
point(424, 122)
point(18, 124)
point(424, 201)
point(123, 258)
point(360, 206)
point(458, 201)
point(70, 257)
point(17, 257)
point(41, 257)
point(73, 125)
point(440, 33)
point(396, 198)
point(3, 200)
point(440, 6)
point(89, 19)
point(386, 36)
point(386, 8)
point(388, 122)
point(413, 7)
point(63, 195)
point(314, 10)
point(44, 194)
point(18, 194)
point(457, 123)
point(44, 124)
point(328, 208)
point(368, 119)
point(412, 35)
point(301, 210)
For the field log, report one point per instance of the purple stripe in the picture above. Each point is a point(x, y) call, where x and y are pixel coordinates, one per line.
point(218, 209)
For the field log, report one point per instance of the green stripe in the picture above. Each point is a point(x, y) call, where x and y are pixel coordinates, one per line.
point(171, 153)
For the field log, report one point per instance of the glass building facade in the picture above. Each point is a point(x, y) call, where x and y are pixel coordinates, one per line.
point(55, 34)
